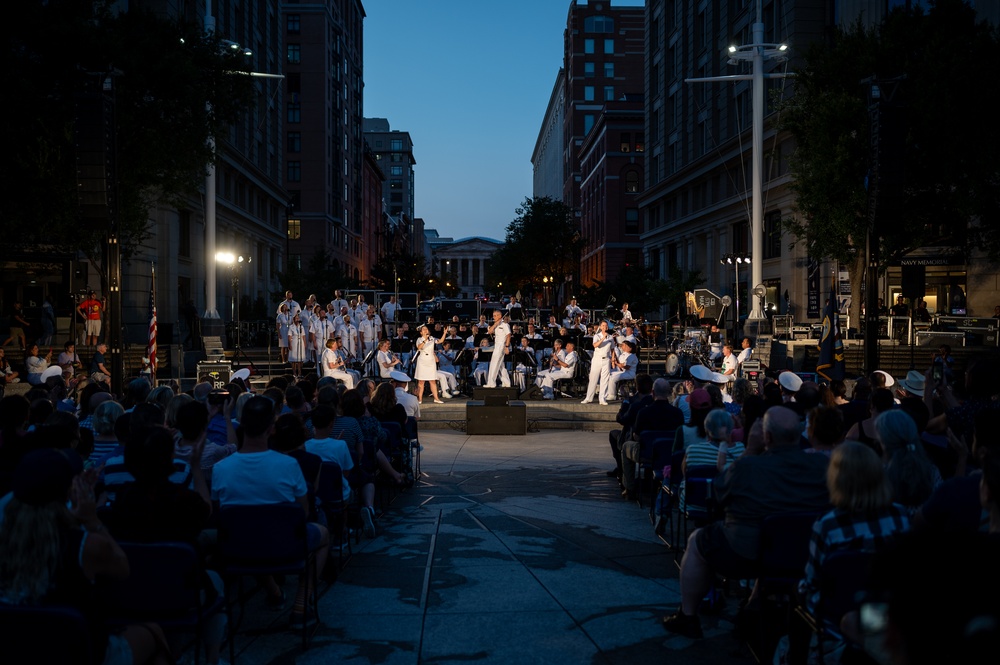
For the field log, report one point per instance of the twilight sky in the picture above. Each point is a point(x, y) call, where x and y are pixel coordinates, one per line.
point(469, 80)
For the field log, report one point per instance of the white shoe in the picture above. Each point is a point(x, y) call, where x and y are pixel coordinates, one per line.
point(603, 403)
point(587, 401)
point(445, 394)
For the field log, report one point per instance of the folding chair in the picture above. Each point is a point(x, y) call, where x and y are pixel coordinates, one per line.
point(331, 501)
point(654, 454)
point(698, 504)
point(784, 551)
point(670, 487)
point(265, 540)
point(165, 586)
point(843, 578)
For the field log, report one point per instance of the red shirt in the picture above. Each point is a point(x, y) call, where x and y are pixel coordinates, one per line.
point(92, 308)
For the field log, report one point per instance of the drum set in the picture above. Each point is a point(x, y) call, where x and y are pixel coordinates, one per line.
point(685, 351)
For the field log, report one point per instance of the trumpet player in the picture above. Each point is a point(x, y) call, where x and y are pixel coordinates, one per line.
point(623, 367)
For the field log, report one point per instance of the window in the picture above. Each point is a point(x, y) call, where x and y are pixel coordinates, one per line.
point(396, 145)
point(273, 263)
point(294, 54)
point(609, 46)
point(395, 184)
point(609, 70)
point(632, 182)
point(626, 142)
point(293, 24)
point(598, 24)
point(588, 70)
point(609, 93)
point(588, 93)
point(294, 142)
point(184, 233)
point(395, 170)
point(294, 112)
point(772, 235)
point(294, 229)
point(588, 123)
point(632, 221)
point(293, 83)
point(588, 45)
point(294, 171)
point(295, 262)
point(640, 142)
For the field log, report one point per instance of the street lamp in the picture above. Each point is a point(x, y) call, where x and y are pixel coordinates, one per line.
point(235, 263)
point(736, 259)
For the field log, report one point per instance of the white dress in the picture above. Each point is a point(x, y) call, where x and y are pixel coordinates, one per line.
point(296, 343)
point(426, 364)
point(283, 321)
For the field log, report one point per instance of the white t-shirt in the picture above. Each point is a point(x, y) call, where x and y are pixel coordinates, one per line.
point(389, 312)
point(333, 450)
point(254, 479)
point(729, 363)
point(409, 402)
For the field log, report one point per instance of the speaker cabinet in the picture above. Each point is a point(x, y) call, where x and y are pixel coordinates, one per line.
point(215, 373)
point(532, 392)
point(480, 393)
point(482, 419)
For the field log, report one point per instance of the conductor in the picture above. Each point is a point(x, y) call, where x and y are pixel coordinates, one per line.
point(501, 332)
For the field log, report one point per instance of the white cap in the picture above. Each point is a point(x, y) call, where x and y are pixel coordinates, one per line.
point(889, 381)
point(790, 381)
point(719, 377)
point(54, 370)
point(242, 374)
point(701, 373)
point(396, 375)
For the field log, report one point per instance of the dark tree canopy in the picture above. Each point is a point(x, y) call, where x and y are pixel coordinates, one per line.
point(542, 242)
point(943, 110)
point(62, 50)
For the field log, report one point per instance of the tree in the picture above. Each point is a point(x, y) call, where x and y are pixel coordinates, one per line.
point(635, 284)
point(541, 243)
point(160, 88)
point(318, 277)
point(410, 271)
point(948, 157)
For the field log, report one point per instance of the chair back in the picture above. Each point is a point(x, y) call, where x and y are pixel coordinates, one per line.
point(646, 440)
point(164, 579)
point(661, 454)
point(264, 538)
point(45, 634)
point(784, 545)
point(676, 468)
point(331, 484)
point(843, 576)
point(698, 501)
point(395, 433)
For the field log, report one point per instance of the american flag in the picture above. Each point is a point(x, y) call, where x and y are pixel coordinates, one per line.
point(151, 345)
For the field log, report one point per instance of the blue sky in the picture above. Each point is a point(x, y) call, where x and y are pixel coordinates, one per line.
point(469, 80)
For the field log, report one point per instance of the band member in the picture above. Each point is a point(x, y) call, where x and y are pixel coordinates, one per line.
point(338, 300)
point(389, 310)
point(321, 330)
point(729, 362)
point(562, 365)
point(293, 307)
point(520, 369)
point(745, 352)
point(531, 336)
point(482, 368)
point(349, 339)
point(600, 365)
point(573, 310)
point(402, 341)
point(425, 367)
point(624, 366)
point(553, 324)
point(482, 324)
point(446, 370)
point(369, 331)
point(501, 333)
point(296, 344)
point(626, 315)
point(333, 364)
point(387, 360)
point(281, 327)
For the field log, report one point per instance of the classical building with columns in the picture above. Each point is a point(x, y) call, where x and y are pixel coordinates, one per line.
point(463, 262)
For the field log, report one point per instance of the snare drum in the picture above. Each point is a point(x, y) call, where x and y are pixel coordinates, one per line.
point(673, 365)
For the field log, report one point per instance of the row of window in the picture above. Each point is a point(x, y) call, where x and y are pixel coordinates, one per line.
point(590, 70)
point(590, 46)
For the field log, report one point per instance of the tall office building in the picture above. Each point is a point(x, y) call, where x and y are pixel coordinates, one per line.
point(394, 153)
point(603, 73)
point(324, 147)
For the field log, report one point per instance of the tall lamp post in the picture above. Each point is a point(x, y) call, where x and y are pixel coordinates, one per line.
point(235, 264)
point(755, 53)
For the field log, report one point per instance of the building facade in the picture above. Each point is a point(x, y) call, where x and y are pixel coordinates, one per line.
point(463, 264)
point(394, 153)
point(696, 202)
point(603, 60)
point(324, 146)
point(547, 177)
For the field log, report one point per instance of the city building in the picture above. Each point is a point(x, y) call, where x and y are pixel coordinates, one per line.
point(462, 264)
point(602, 65)
point(394, 153)
point(323, 143)
point(548, 178)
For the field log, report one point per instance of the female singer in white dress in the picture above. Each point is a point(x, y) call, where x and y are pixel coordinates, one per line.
point(281, 324)
point(425, 367)
point(296, 342)
point(600, 368)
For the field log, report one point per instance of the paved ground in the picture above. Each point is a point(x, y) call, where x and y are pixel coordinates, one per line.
point(509, 550)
